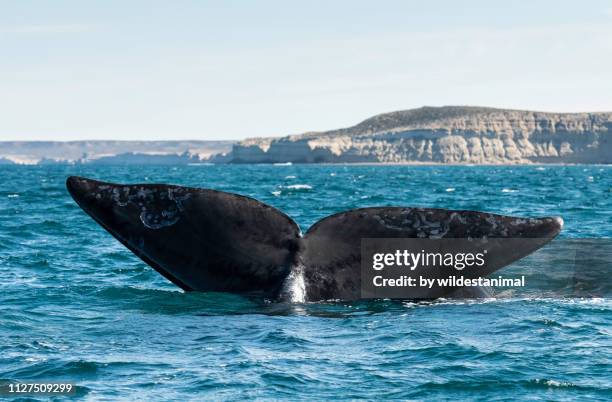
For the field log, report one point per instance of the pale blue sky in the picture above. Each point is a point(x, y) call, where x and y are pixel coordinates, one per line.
point(236, 69)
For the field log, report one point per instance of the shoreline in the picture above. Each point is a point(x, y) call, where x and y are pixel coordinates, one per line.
point(280, 164)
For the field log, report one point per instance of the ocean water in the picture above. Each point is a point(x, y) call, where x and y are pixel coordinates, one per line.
point(77, 306)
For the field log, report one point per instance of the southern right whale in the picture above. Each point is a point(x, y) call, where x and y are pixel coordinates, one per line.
point(208, 240)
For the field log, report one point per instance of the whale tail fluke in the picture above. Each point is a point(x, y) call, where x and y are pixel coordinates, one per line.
point(208, 240)
point(333, 248)
point(198, 239)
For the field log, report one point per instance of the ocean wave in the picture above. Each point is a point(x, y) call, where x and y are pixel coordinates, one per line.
point(75, 305)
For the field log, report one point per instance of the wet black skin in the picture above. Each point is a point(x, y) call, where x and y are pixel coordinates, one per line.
point(208, 240)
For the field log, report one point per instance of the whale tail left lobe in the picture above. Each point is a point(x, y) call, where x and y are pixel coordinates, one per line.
point(199, 239)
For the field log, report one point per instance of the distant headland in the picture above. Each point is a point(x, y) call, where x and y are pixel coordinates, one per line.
point(437, 135)
point(449, 134)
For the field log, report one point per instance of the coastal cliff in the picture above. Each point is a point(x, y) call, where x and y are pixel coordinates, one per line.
point(450, 134)
point(445, 135)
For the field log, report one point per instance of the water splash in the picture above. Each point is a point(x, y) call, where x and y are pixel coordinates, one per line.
point(294, 288)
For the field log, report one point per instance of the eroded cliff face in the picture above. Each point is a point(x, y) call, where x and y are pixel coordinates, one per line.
point(446, 135)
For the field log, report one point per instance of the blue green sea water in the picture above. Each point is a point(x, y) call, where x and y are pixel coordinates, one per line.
point(77, 306)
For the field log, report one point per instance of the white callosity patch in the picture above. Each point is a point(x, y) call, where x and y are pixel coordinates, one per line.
point(158, 209)
point(121, 197)
point(158, 218)
point(419, 221)
point(158, 221)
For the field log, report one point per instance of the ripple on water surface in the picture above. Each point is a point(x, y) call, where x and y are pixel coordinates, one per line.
point(76, 306)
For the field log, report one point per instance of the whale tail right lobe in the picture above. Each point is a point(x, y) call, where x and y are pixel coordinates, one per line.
point(333, 248)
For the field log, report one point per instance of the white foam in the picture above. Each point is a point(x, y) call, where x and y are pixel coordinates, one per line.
point(300, 187)
point(554, 383)
point(450, 189)
point(295, 286)
point(509, 190)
